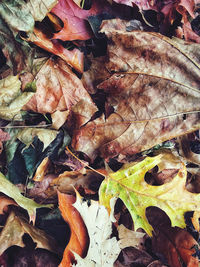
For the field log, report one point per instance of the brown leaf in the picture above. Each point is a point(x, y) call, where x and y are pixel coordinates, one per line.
point(89, 181)
point(176, 244)
point(58, 88)
point(79, 237)
point(155, 82)
point(14, 230)
point(5, 202)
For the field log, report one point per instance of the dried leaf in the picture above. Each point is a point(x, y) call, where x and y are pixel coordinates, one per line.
point(155, 82)
point(5, 202)
point(129, 185)
point(128, 238)
point(12, 98)
point(103, 250)
point(12, 191)
point(58, 88)
point(40, 8)
point(74, 58)
point(78, 242)
point(74, 18)
point(46, 136)
point(67, 181)
point(14, 230)
point(177, 245)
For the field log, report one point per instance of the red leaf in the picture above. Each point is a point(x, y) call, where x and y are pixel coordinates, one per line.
point(74, 18)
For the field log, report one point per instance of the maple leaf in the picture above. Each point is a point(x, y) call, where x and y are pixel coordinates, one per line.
point(103, 250)
point(12, 98)
point(15, 228)
point(151, 87)
point(58, 88)
point(13, 192)
point(78, 242)
point(129, 185)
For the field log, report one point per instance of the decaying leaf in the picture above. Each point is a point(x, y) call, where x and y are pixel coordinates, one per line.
point(74, 18)
point(128, 238)
point(155, 81)
point(58, 88)
point(67, 181)
point(129, 185)
point(177, 245)
point(78, 242)
point(14, 230)
point(5, 202)
point(46, 136)
point(12, 99)
point(12, 191)
point(74, 58)
point(103, 250)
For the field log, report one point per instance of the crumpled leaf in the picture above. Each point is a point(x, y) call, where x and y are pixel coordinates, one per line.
point(40, 8)
point(12, 99)
point(12, 191)
point(58, 88)
point(78, 242)
point(3, 137)
point(74, 18)
point(17, 14)
point(103, 250)
point(148, 93)
point(15, 228)
point(129, 185)
point(21, 15)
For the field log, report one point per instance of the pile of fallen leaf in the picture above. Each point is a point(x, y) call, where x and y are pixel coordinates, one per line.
point(99, 133)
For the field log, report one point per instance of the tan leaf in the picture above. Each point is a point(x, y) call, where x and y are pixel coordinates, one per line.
point(5, 202)
point(128, 238)
point(42, 170)
point(155, 81)
point(14, 230)
point(58, 88)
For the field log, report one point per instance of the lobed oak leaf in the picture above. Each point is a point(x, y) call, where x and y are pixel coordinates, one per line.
point(15, 228)
point(74, 18)
point(129, 185)
point(150, 88)
point(78, 242)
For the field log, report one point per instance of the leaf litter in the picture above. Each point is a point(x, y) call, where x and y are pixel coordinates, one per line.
point(117, 82)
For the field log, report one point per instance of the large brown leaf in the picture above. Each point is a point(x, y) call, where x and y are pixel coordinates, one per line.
point(58, 88)
point(155, 81)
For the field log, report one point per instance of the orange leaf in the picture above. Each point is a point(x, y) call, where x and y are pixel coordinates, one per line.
point(74, 58)
point(78, 242)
